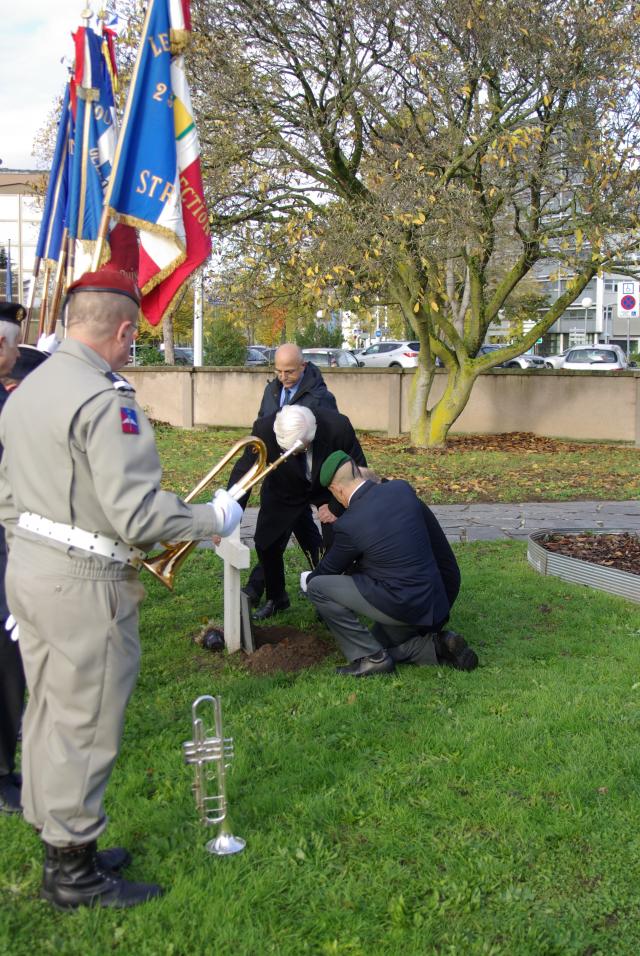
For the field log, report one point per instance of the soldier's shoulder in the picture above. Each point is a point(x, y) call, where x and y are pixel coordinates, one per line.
point(120, 383)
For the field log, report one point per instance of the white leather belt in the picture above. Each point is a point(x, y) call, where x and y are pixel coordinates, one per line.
point(89, 541)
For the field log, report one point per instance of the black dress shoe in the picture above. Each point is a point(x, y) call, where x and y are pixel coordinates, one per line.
point(270, 608)
point(453, 650)
point(379, 663)
point(10, 801)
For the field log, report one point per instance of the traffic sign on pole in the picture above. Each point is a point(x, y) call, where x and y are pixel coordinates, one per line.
point(628, 298)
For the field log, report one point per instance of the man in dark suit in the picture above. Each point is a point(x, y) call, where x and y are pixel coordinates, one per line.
point(381, 565)
point(297, 383)
point(12, 682)
point(293, 486)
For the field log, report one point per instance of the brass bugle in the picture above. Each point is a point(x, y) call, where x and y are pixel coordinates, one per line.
point(163, 566)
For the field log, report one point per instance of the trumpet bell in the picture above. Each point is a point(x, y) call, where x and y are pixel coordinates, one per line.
point(226, 844)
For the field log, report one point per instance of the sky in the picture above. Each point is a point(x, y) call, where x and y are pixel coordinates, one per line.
point(35, 36)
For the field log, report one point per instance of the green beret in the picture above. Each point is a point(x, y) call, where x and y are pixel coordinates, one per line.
point(330, 465)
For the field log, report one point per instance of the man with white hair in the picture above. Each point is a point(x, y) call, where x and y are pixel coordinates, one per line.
point(293, 486)
point(81, 502)
point(12, 682)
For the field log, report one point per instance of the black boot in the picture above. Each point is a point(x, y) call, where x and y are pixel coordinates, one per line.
point(73, 877)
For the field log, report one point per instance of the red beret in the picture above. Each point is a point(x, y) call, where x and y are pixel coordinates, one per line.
point(107, 280)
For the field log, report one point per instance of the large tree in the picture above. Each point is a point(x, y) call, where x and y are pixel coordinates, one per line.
point(425, 152)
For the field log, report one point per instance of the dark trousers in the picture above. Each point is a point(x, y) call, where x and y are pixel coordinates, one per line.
point(341, 605)
point(309, 539)
point(12, 689)
point(272, 560)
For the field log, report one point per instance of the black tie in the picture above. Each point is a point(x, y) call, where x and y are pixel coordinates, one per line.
point(287, 396)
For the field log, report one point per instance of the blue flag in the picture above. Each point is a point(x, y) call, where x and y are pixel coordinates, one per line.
point(144, 187)
point(55, 207)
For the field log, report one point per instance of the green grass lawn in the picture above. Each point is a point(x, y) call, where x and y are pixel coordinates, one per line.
point(429, 812)
point(489, 470)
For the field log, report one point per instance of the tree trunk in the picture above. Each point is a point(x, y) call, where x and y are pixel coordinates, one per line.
point(429, 429)
point(167, 335)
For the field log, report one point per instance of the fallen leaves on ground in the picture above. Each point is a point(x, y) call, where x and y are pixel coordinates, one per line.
point(621, 551)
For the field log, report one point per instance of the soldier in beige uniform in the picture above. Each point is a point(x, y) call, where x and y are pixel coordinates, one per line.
point(79, 496)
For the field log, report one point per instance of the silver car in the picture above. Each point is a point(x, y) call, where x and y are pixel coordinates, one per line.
point(390, 354)
point(596, 358)
point(330, 358)
point(526, 360)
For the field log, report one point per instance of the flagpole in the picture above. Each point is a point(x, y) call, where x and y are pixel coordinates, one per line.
point(32, 288)
point(45, 300)
point(58, 286)
point(106, 215)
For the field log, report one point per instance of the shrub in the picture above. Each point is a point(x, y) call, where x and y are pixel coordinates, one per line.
point(224, 344)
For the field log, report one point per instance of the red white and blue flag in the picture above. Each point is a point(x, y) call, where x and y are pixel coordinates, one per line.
point(129, 421)
point(157, 183)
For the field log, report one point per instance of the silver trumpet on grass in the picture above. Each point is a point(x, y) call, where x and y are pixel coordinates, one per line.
point(209, 753)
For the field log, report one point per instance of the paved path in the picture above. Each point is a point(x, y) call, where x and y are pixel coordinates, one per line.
point(482, 522)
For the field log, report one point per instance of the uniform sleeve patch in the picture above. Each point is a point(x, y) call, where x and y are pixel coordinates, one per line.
point(129, 420)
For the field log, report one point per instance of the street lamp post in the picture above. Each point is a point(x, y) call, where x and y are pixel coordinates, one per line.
point(586, 304)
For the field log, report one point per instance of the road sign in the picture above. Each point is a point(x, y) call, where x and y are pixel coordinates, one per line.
point(378, 333)
point(628, 298)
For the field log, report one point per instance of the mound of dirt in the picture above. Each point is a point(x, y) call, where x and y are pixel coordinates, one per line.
point(286, 649)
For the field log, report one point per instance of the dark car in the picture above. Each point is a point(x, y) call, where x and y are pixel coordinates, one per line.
point(331, 358)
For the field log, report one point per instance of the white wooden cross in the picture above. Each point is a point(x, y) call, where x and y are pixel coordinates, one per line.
point(236, 557)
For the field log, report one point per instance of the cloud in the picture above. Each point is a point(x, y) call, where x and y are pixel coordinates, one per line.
point(35, 37)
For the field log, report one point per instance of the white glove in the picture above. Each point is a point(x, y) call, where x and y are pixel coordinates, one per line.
point(227, 510)
point(303, 581)
point(11, 627)
point(48, 343)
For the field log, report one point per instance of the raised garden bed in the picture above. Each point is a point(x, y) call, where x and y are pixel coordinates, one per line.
point(607, 560)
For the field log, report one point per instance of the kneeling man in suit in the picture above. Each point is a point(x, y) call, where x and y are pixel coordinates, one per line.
point(381, 566)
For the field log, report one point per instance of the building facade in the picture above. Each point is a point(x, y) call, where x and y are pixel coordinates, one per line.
point(20, 217)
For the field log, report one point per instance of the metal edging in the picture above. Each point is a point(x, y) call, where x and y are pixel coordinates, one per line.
point(622, 583)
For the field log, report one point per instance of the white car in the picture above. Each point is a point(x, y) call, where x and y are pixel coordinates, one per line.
point(556, 361)
point(390, 354)
point(596, 358)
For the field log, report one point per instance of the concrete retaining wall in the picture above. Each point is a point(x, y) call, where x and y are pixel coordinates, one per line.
point(581, 405)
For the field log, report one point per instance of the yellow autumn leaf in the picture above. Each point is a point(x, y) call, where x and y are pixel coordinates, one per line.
point(416, 307)
point(434, 305)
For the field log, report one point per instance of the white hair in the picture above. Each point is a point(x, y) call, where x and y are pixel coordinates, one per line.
point(9, 331)
point(294, 423)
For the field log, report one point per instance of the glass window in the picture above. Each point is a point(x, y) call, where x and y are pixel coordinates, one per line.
point(414, 346)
